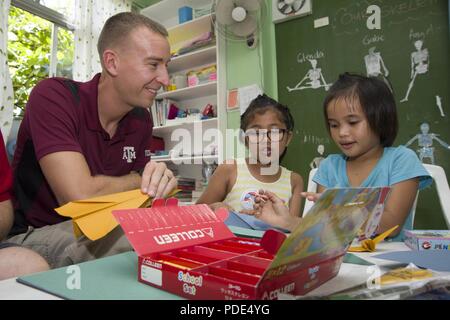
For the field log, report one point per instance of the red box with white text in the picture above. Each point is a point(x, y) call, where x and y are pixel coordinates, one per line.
point(189, 251)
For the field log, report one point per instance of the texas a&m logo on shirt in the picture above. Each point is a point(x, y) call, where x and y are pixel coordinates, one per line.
point(129, 154)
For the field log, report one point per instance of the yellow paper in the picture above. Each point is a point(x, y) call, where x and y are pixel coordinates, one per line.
point(92, 217)
point(369, 245)
point(405, 275)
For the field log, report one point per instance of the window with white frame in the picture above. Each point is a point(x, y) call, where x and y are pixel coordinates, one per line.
point(40, 44)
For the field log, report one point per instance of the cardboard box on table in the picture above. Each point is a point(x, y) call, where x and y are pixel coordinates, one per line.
point(189, 251)
point(428, 239)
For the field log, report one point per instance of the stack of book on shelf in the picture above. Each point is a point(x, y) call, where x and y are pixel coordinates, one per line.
point(187, 186)
point(196, 195)
point(160, 111)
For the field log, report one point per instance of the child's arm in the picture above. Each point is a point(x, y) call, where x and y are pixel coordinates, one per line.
point(272, 210)
point(218, 186)
point(296, 199)
point(6, 218)
point(398, 205)
point(313, 196)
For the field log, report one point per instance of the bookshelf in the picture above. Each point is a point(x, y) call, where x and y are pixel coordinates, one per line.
point(191, 159)
point(206, 55)
point(201, 90)
point(166, 11)
point(162, 130)
point(190, 133)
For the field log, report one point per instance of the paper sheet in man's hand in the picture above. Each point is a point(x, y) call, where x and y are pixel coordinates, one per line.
point(92, 217)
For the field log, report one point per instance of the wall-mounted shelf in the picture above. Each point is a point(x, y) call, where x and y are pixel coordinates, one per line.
point(200, 136)
point(188, 125)
point(206, 89)
point(166, 12)
point(202, 56)
point(185, 160)
point(184, 30)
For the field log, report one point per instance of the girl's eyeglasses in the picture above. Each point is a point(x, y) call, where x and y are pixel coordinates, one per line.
point(274, 135)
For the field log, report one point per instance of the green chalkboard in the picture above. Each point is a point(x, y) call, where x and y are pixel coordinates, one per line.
point(343, 46)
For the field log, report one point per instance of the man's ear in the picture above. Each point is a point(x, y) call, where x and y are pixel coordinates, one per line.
point(110, 62)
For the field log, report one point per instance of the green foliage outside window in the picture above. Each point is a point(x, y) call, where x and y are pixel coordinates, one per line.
point(29, 43)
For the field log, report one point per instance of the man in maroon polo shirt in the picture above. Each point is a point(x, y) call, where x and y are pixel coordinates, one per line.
point(14, 260)
point(80, 140)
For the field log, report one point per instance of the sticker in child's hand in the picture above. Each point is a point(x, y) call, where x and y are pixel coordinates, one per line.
point(248, 199)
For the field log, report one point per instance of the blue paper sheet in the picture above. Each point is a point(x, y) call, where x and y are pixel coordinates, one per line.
point(435, 260)
point(243, 220)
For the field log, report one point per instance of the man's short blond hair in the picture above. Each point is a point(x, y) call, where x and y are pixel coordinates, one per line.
point(118, 27)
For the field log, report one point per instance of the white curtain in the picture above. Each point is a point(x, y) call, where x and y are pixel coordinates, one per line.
point(90, 18)
point(6, 88)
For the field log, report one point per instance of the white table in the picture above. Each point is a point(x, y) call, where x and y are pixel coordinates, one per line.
point(10, 289)
point(348, 276)
point(351, 275)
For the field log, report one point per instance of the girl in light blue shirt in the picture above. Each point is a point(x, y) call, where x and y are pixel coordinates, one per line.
point(361, 118)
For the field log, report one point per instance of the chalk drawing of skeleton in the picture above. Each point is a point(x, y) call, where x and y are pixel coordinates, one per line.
point(315, 77)
point(374, 62)
point(419, 65)
point(425, 142)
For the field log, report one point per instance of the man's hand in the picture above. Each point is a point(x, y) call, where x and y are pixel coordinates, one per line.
point(157, 180)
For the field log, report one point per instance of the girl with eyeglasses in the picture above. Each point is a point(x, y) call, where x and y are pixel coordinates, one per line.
point(267, 129)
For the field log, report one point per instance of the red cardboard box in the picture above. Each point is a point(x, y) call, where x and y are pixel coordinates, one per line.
point(190, 252)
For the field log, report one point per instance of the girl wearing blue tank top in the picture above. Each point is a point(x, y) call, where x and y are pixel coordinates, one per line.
point(361, 118)
point(266, 127)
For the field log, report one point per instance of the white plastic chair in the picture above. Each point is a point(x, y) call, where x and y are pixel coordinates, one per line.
point(312, 187)
point(442, 188)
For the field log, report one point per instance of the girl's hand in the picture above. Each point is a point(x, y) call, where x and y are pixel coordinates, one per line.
point(311, 196)
point(271, 209)
point(217, 205)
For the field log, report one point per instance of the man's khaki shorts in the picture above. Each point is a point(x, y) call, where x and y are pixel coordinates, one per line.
point(58, 245)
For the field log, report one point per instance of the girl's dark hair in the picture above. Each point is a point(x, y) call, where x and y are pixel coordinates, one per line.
point(376, 100)
point(261, 104)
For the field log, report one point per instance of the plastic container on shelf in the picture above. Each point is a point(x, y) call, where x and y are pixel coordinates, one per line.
point(180, 81)
point(184, 14)
point(204, 75)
